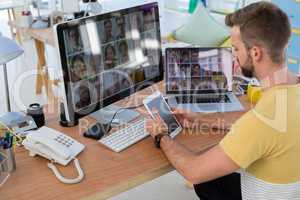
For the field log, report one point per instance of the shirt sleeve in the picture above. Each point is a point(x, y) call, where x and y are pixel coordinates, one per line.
point(248, 140)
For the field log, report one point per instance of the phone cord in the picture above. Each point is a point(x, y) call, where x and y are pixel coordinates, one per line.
point(65, 180)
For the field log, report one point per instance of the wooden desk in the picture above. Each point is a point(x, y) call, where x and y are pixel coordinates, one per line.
point(40, 37)
point(106, 173)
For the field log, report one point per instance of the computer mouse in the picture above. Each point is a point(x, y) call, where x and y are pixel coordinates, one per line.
point(97, 131)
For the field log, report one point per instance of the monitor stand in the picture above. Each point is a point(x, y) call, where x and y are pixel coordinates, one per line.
point(105, 115)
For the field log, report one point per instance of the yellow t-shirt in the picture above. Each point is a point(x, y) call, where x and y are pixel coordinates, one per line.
point(266, 140)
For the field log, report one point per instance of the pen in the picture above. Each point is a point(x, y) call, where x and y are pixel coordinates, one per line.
point(8, 141)
point(2, 130)
point(14, 143)
point(2, 142)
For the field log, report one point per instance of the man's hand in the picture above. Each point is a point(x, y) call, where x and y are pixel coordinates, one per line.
point(192, 120)
point(155, 126)
point(186, 119)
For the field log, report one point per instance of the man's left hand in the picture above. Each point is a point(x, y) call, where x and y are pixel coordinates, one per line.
point(155, 126)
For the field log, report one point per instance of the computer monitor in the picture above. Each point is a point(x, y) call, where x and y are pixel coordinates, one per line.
point(198, 70)
point(107, 57)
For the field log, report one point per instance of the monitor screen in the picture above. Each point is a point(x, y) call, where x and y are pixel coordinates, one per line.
point(110, 56)
point(198, 70)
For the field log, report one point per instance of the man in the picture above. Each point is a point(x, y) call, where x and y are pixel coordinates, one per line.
point(148, 20)
point(110, 59)
point(82, 95)
point(264, 144)
point(120, 21)
point(123, 52)
point(108, 31)
point(79, 69)
point(75, 43)
point(196, 70)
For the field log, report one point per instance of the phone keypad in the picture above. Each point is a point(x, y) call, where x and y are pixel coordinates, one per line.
point(64, 140)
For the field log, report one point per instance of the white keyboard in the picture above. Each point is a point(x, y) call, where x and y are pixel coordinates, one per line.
point(125, 137)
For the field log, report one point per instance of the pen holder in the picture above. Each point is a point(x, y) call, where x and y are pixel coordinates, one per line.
point(7, 160)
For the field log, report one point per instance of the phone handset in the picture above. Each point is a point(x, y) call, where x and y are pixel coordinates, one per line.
point(55, 151)
point(47, 145)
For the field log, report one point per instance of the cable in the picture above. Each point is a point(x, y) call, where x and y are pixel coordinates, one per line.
point(65, 180)
point(87, 8)
point(120, 109)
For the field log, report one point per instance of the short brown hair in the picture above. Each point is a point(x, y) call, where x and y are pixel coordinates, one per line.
point(263, 24)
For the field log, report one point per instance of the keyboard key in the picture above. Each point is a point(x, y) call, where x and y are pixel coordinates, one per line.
point(126, 137)
point(195, 99)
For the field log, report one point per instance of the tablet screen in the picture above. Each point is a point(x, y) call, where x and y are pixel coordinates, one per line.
point(160, 106)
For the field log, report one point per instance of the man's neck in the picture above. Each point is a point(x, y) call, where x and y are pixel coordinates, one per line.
point(277, 75)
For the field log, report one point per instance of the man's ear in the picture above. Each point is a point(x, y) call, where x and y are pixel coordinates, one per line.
point(256, 53)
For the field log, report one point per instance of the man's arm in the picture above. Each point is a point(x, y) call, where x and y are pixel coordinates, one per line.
point(198, 168)
point(201, 121)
